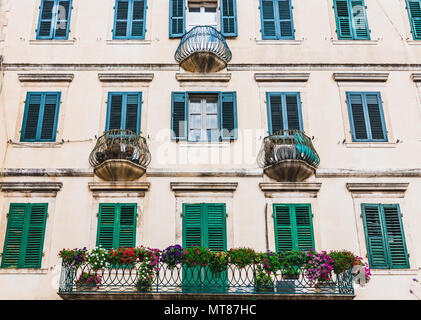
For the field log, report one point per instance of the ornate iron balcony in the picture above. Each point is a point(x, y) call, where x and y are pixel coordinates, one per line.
point(288, 155)
point(120, 155)
point(182, 279)
point(203, 49)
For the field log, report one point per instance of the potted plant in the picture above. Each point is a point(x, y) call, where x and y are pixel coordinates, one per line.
point(88, 282)
point(318, 271)
point(218, 263)
point(291, 263)
point(263, 282)
point(145, 278)
point(172, 256)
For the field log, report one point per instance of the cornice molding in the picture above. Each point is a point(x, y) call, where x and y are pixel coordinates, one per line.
point(369, 189)
point(198, 77)
point(45, 77)
point(203, 186)
point(105, 189)
point(416, 77)
point(282, 77)
point(125, 77)
point(276, 189)
point(360, 77)
point(31, 187)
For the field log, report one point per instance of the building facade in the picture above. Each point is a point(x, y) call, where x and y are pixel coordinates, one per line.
point(216, 97)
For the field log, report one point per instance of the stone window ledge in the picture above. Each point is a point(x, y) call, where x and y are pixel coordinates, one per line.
point(23, 271)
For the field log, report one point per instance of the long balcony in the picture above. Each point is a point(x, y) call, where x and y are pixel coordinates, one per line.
point(182, 282)
point(203, 49)
point(120, 155)
point(288, 156)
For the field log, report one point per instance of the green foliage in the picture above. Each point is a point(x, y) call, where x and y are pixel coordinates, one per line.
point(218, 262)
point(242, 257)
point(196, 256)
point(342, 260)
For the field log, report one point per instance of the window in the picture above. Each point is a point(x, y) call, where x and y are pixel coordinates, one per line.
point(40, 117)
point(24, 235)
point(202, 13)
point(366, 117)
point(414, 12)
point(117, 225)
point(204, 116)
point(351, 20)
point(293, 227)
point(284, 111)
point(384, 236)
point(130, 19)
point(276, 18)
point(124, 110)
point(54, 19)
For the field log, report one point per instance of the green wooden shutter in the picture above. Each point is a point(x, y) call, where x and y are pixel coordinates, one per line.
point(106, 226)
point(24, 236)
point(229, 18)
point(49, 117)
point(115, 112)
point(138, 19)
point(292, 111)
point(133, 109)
point(293, 227)
point(275, 115)
point(228, 115)
point(35, 235)
point(375, 116)
point(127, 225)
point(45, 29)
point(63, 18)
point(192, 225)
point(343, 19)
point(359, 20)
point(177, 18)
point(31, 118)
point(283, 227)
point(121, 19)
point(216, 227)
point(395, 238)
point(268, 19)
point(179, 115)
point(358, 123)
point(414, 11)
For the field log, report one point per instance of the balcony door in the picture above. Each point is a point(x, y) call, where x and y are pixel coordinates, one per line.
point(199, 15)
point(203, 116)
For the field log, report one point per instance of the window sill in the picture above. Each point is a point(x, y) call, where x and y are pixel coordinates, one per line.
point(23, 271)
point(52, 42)
point(370, 144)
point(400, 272)
point(354, 42)
point(413, 42)
point(128, 42)
point(216, 144)
point(36, 144)
point(279, 42)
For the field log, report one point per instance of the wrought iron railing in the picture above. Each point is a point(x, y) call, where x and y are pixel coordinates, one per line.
point(203, 39)
point(287, 145)
point(182, 279)
point(120, 144)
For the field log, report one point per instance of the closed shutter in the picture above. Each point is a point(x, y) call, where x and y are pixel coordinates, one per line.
point(359, 20)
point(177, 18)
point(384, 236)
point(121, 23)
point(49, 117)
point(216, 233)
point(127, 226)
point(284, 111)
point(45, 30)
point(359, 127)
point(343, 19)
point(286, 28)
point(106, 225)
point(229, 18)
point(228, 115)
point(267, 10)
point(31, 118)
point(133, 111)
point(115, 112)
point(179, 115)
point(138, 19)
point(292, 102)
point(124, 110)
point(192, 225)
point(24, 236)
point(414, 11)
point(275, 114)
point(63, 19)
point(293, 227)
point(375, 116)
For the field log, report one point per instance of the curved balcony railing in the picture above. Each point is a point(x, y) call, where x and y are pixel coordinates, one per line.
point(182, 279)
point(209, 42)
point(287, 145)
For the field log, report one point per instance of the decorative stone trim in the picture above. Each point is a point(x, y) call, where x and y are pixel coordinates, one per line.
point(197, 77)
point(157, 172)
point(362, 190)
point(65, 172)
point(276, 189)
point(416, 77)
point(203, 186)
point(282, 77)
point(99, 189)
point(360, 77)
point(344, 173)
point(31, 187)
point(45, 77)
point(125, 77)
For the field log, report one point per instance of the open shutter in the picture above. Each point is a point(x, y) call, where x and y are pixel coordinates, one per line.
point(283, 227)
point(45, 30)
point(216, 227)
point(14, 235)
point(357, 118)
point(115, 112)
point(179, 115)
point(343, 19)
point(229, 18)
point(107, 225)
point(133, 111)
point(228, 115)
point(275, 115)
point(138, 19)
point(267, 12)
point(395, 237)
point(192, 225)
point(304, 227)
point(34, 240)
point(121, 21)
point(359, 19)
point(375, 114)
point(49, 117)
point(376, 247)
point(414, 10)
point(31, 117)
point(177, 18)
point(127, 226)
point(292, 105)
point(63, 18)
point(286, 27)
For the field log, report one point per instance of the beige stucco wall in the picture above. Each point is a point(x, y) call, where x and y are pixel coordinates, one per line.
point(337, 222)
